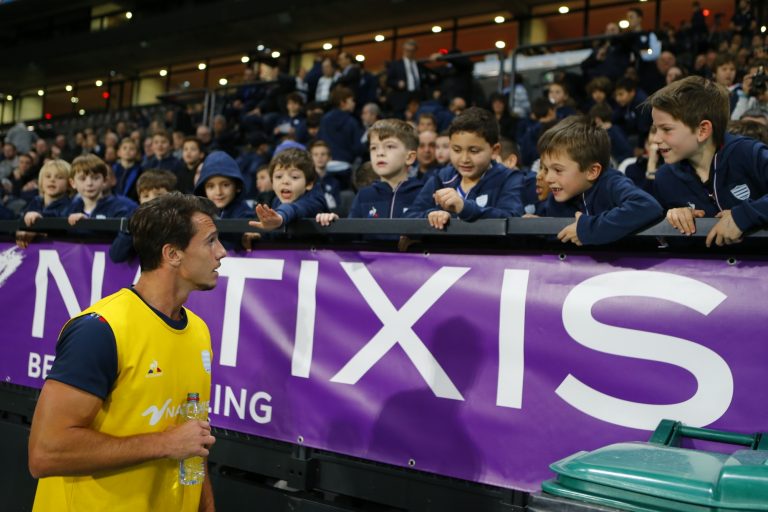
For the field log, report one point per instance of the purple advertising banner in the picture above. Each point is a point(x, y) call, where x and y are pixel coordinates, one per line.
point(482, 367)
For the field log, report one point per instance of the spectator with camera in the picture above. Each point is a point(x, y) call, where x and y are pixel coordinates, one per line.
point(754, 90)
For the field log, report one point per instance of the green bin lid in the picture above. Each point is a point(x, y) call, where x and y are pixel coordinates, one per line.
point(643, 477)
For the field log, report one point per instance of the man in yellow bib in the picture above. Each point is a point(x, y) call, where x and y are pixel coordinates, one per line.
point(107, 433)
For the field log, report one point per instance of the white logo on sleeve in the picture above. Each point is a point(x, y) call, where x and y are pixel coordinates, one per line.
point(741, 192)
point(482, 200)
point(206, 360)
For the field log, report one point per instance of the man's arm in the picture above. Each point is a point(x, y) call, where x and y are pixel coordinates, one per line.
point(62, 441)
point(206, 497)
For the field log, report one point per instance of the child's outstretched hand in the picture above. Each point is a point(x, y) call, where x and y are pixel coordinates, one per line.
point(448, 199)
point(725, 232)
point(74, 218)
point(438, 219)
point(269, 219)
point(325, 219)
point(569, 233)
point(684, 219)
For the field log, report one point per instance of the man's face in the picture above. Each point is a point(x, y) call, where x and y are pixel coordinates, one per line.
point(204, 134)
point(201, 258)
point(9, 151)
point(425, 155)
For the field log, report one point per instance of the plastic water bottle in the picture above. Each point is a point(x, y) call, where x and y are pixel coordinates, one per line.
point(192, 469)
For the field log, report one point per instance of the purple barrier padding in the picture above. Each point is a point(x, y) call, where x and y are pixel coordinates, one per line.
point(485, 368)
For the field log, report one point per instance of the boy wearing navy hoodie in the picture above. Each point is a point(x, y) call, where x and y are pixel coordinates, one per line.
point(393, 144)
point(708, 173)
point(606, 204)
point(474, 186)
point(221, 182)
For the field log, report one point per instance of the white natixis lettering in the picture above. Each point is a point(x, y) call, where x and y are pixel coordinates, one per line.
point(262, 414)
point(10, 261)
point(715, 381)
point(231, 400)
point(514, 287)
point(305, 320)
point(49, 261)
point(238, 270)
point(97, 276)
point(156, 414)
point(397, 328)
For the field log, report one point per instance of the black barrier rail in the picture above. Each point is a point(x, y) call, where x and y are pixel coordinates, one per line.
point(541, 226)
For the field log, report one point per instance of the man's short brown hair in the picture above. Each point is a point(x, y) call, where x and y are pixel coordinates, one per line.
point(166, 220)
point(580, 139)
point(396, 129)
point(692, 100)
point(294, 157)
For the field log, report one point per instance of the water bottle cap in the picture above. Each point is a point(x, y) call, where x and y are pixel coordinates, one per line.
point(193, 397)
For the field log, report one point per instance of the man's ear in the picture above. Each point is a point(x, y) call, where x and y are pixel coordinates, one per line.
point(704, 131)
point(173, 255)
point(511, 161)
point(593, 171)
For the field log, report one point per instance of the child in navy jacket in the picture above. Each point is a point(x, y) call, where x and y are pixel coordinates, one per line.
point(606, 204)
point(53, 201)
point(88, 176)
point(296, 196)
point(707, 172)
point(473, 186)
point(221, 182)
point(393, 144)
